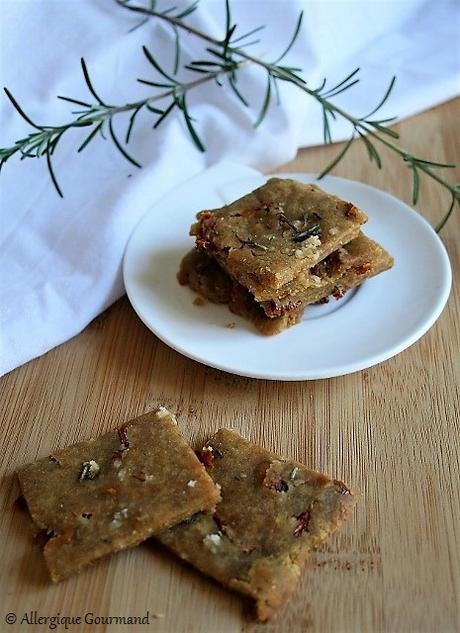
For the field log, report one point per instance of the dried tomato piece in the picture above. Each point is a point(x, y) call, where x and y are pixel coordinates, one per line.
point(362, 269)
point(338, 292)
point(122, 433)
point(206, 457)
point(205, 224)
point(349, 210)
point(123, 436)
point(341, 487)
point(303, 522)
point(281, 310)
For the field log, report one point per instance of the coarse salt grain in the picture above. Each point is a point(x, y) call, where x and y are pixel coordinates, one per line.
point(212, 541)
point(163, 413)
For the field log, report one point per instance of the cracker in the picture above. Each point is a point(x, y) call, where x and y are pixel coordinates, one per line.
point(206, 277)
point(100, 496)
point(266, 238)
point(273, 513)
point(361, 259)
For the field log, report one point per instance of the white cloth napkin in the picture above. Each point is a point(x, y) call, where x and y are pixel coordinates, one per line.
point(60, 260)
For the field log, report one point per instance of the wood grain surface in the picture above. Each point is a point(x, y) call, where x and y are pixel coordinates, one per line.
point(391, 431)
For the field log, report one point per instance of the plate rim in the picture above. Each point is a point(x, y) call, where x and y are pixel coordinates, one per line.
point(298, 376)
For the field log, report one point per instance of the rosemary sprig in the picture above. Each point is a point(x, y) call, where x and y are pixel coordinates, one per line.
point(225, 58)
point(367, 128)
point(100, 116)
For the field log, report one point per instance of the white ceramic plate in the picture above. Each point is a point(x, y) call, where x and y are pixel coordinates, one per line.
point(371, 324)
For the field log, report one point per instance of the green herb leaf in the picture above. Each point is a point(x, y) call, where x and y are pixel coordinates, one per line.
point(157, 66)
point(293, 39)
point(20, 110)
point(266, 102)
point(89, 84)
point(337, 159)
point(51, 171)
point(120, 147)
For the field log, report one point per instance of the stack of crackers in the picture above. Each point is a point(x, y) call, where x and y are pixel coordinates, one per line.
point(235, 511)
point(280, 248)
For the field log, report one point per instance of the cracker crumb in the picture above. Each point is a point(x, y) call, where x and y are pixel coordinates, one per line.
point(198, 301)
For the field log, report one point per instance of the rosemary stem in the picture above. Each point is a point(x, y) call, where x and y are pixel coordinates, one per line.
point(300, 84)
point(405, 155)
point(109, 111)
point(169, 93)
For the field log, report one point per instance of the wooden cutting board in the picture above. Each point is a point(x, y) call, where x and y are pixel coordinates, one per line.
point(391, 431)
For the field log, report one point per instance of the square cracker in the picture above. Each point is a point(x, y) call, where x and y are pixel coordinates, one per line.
point(273, 513)
point(204, 275)
point(100, 496)
point(359, 260)
point(267, 237)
